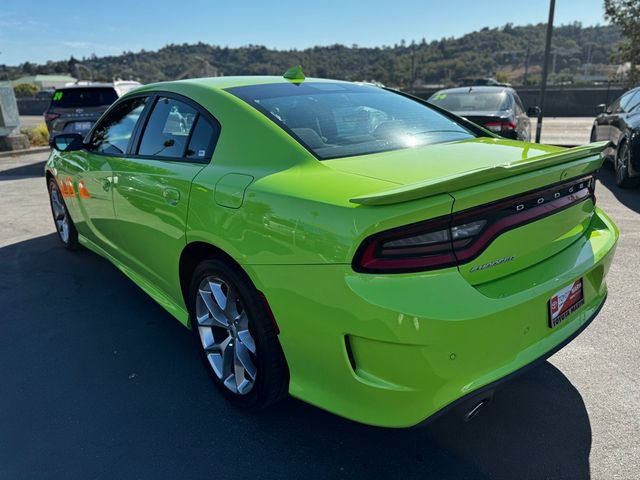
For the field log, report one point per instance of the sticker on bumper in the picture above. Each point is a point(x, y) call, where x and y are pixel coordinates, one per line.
point(565, 302)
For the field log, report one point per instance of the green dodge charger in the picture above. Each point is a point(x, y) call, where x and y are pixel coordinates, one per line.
point(347, 244)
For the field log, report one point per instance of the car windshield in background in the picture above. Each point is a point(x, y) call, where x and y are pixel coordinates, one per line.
point(471, 101)
point(335, 120)
point(83, 97)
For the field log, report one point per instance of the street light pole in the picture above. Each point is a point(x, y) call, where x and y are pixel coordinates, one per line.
point(545, 69)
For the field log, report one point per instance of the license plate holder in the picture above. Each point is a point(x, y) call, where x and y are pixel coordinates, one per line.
point(82, 126)
point(565, 301)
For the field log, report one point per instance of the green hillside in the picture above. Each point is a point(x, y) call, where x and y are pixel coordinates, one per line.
point(501, 52)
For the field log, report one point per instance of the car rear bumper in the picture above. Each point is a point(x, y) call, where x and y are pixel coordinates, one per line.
point(393, 350)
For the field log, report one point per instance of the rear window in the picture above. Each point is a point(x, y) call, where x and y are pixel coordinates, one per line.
point(335, 120)
point(83, 97)
point(472, 101)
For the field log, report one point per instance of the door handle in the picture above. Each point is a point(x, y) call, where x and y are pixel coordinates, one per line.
point(171, 196)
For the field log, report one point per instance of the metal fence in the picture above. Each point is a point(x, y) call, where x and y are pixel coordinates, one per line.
point(563, 101)
point(32, 106)
point(560, 101)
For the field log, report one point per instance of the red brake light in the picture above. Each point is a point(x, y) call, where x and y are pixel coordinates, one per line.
point(49, 117)
point(459, 238)
point(501, 126)
point(421, 246)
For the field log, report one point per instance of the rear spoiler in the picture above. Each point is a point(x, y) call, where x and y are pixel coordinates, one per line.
point(479, 176)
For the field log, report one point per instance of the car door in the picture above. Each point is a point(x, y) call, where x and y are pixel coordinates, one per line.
point(108, 141)
point(618, 124)
point(613, 119)
point(152, 185)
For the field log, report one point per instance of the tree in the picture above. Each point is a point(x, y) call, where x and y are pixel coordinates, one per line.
point(25, 90)
point(625, 14)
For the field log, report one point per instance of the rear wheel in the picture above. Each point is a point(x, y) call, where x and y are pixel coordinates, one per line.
point(622, 164)
point(236, 336)
point(67, 232)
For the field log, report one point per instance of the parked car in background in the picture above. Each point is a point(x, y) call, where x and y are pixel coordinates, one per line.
point(354, 246)
point(495, 108)
point(620, 124)
point(488, 81)
point(74, 109)
point(45, 94)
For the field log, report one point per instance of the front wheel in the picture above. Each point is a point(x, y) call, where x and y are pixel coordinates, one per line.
point(65, 227)
point(236, 335)
point(623, 163)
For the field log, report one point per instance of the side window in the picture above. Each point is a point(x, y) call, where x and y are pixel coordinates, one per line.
point(112, 134)
point(167, 131)
point(634, 102)
point(620, 105)
point(203, 139)
point(518, 105)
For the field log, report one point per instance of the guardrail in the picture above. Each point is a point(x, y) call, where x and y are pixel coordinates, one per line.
point(562, 101)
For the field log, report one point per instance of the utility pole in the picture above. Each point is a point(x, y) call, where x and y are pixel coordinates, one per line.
point(526, 64)
point(413, 65)
point(545, 69)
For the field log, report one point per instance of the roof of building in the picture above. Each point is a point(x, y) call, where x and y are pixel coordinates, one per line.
point(44, 78)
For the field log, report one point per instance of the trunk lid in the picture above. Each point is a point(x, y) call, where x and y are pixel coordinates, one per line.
point(536, 200)
point(482, 118)
point(412, 165)
point(524, 225)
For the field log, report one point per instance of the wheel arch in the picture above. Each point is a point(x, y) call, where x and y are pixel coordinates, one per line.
point(633, 137)
point(194, 253)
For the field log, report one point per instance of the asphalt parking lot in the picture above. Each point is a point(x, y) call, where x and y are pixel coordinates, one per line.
point(98, 381)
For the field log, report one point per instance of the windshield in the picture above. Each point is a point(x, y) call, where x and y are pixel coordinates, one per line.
point(83, 97)
point(471, 101)
point(335, 120)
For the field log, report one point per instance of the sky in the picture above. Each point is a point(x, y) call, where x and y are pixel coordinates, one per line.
point(37, 30)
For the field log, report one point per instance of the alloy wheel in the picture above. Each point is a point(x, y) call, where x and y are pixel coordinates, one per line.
point(622, 161)
point(60, 215)
point(223, 327)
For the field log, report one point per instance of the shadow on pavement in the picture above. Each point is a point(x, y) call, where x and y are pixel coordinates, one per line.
point(628, 197)
point(98, 381)
point(23, 171)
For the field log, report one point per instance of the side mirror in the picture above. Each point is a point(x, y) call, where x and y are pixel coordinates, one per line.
point(533, 111)
point(67, 142)
point(600, 109)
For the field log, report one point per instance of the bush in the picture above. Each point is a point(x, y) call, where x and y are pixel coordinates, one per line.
point(38, 136)
point(25, 90)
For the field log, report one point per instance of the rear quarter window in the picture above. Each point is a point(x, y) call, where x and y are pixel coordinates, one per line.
point(83, 97)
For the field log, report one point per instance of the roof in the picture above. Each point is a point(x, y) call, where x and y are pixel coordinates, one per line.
point(479, 88)
point(221, 83)
point(84, 84)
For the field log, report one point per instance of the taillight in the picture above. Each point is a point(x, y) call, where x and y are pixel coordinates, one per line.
point(420, 246)
point(501, 126)
point(50, 117)
point(459, 238)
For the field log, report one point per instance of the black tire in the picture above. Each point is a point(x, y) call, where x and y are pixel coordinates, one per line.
point(271, 382)
point(69, 238)
point(622, 165)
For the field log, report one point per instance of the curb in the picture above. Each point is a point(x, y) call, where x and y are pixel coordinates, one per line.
point(28, 151)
